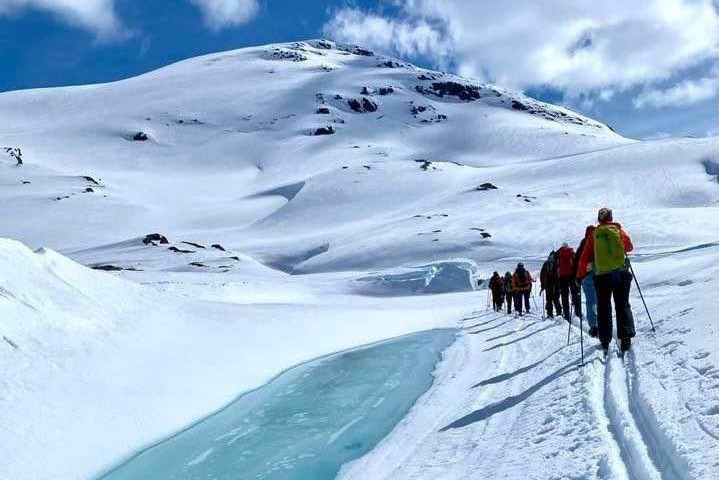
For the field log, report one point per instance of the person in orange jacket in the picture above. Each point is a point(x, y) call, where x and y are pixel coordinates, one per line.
point(605, 253)
point(522, 288)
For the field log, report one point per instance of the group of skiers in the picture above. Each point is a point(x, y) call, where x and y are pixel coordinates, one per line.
point(598, 268)
point(514, 288)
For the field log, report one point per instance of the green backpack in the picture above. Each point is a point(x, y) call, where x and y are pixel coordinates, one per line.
point(609, 254)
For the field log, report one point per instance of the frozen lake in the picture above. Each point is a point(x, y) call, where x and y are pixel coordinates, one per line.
point(306, 423)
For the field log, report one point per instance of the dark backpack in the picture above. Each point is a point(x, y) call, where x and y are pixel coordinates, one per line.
point(508, 283)
point(522, 279)
point(565, 262)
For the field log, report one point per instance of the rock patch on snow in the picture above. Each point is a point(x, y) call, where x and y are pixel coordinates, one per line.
point(155, 239)
point(461, 91)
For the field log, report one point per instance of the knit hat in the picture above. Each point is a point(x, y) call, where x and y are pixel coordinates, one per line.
point(604, 215)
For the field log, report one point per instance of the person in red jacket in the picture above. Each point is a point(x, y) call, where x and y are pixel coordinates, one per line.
point(606, 250)
point(496, 285)
point(565, 273)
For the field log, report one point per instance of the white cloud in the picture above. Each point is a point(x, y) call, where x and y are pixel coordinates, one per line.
point(578, 47)
point(684, 93)
point(97, 16)
point(220, 14)
point(406, 38)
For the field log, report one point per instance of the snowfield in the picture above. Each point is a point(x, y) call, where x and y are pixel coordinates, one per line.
point(313, 197)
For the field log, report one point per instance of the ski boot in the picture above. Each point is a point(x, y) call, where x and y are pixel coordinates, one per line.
point(593, 332)
point(625, 344)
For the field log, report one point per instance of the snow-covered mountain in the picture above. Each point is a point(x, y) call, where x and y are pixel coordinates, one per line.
point(296, 191)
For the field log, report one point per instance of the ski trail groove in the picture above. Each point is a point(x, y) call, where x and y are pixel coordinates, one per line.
point(660, 449)
point(613, 466)
point(633, 451)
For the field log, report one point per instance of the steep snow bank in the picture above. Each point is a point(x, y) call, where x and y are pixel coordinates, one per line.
point(441, 277)
point(91, 358)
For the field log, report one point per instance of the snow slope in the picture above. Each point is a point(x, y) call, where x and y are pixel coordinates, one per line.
point(284, 245)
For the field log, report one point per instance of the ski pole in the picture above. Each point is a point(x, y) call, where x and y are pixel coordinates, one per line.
point(641, 295)
point(488, 293)
point(581, 340)
point(569, 330)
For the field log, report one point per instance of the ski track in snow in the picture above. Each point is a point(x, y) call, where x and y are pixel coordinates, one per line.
point(595, 412)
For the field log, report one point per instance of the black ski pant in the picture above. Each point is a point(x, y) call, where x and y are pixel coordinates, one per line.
point(518, 297)
point(497, 299)
point(576, 291)
point(614, 285)
point(510, 297)
point(565, 289)
point(552, 304)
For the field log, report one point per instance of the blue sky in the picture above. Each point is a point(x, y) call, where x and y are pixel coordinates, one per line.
point(649, 71)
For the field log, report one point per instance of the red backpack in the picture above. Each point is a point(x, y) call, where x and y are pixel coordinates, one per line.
point(565, 262)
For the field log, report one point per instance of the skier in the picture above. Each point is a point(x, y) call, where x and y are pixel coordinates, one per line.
point(587, 285)
point(548, 283)
point(508, 294)
point(565, 273)
point(522, 288)
point(496, 285)
point(607, 249)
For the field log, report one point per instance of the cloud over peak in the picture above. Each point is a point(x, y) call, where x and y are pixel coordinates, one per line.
point(100, 16)
point(220, 14)
point(582, 47)
point(97, 16)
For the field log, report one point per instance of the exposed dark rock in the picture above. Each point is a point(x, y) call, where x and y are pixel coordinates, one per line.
point(16, 154)
point(155, 238)
point(426, 77)
point(386, 91)
point(355, 105)
point(338, 97)
point(368, 105)
point(140, 137)
point(451, 89)
point(57, 199)
point(88, 190)
point(198, 264)
point(328, 130)
point(323, 111)
point(417, 109)
point(192, 244)
point(367, 167)
point(425, 164)
point(517, 105)
point(114, 268)
point(25, 182)
point(390, 64)
point(237, 259)
point(286, 54)
point(362, 105)
point(179, 250)
point(91, 180)
point(486, 235)
point(440, 117)
point(486, 186)
point(219, 247)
